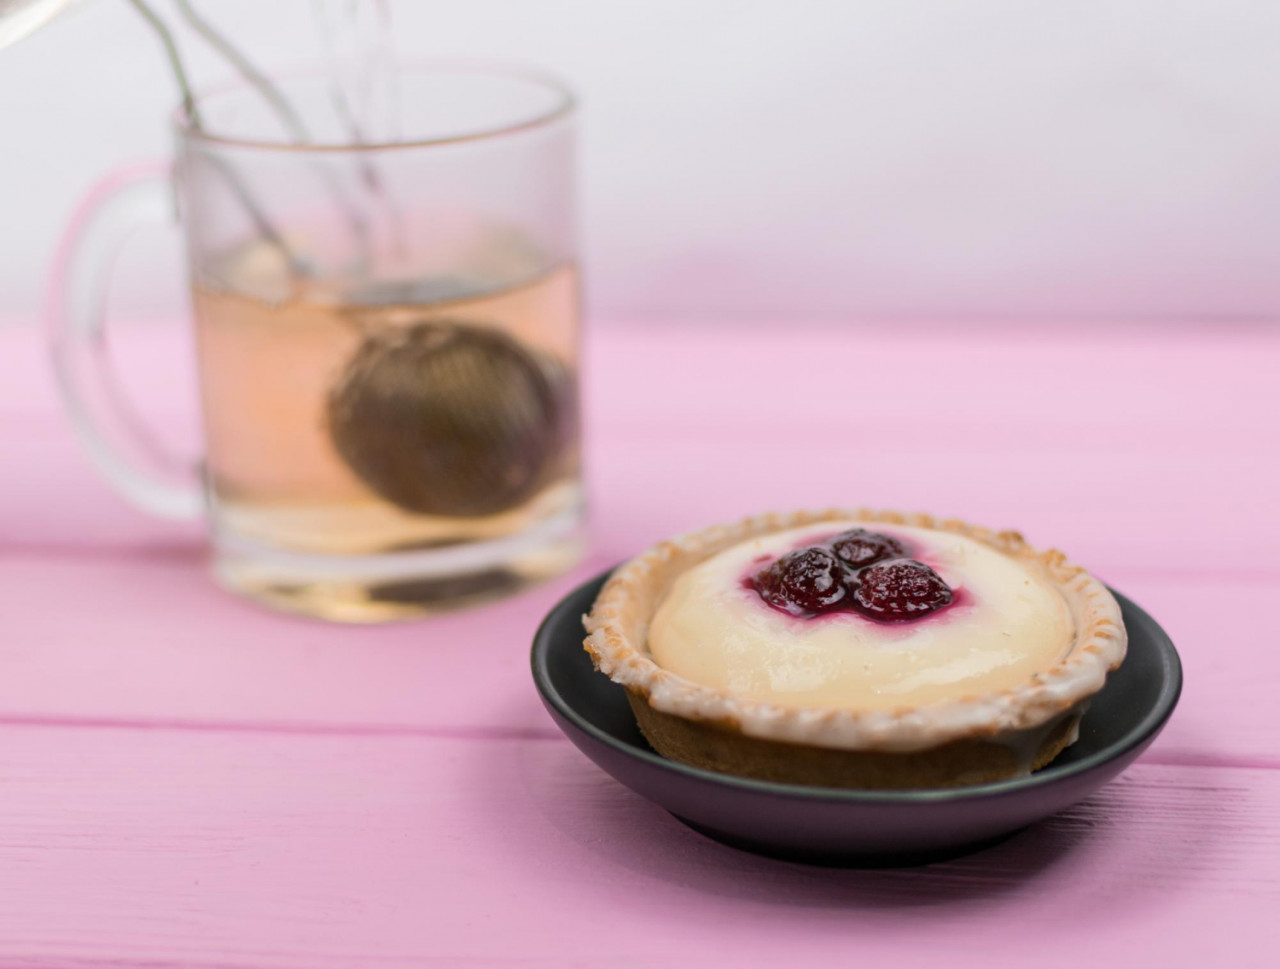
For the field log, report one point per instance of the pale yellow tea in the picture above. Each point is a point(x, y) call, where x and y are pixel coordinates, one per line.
point(355, 439)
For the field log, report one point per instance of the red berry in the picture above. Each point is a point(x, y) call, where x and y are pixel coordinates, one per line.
point(900, 589)
point(807, 580)
point(859, 548)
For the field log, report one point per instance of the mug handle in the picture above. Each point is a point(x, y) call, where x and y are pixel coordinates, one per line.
point(124, 449)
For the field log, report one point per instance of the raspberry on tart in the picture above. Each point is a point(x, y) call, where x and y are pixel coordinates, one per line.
point(808, 580)
point(859, 548)
point(900, 589)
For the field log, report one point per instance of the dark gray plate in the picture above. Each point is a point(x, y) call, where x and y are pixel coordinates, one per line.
point(840, 827)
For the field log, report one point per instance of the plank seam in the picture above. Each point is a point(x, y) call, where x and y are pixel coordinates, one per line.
point(297, 728)
point(1156, 758)
point(182, 547)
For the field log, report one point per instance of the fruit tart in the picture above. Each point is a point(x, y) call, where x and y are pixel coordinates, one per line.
point(859, 649)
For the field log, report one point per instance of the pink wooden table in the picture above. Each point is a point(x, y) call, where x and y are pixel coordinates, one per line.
point(188, 781)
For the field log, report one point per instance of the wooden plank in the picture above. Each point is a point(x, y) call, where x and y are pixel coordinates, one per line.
point(127, 649)
point(1105, 508)
point(155, 640)
point(209, 849)
point(1105, 441)
point(1194, 376)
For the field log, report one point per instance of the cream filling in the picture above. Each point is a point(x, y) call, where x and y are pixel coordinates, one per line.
point(1006, 625)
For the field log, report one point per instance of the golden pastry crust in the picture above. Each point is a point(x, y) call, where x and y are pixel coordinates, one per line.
point(953, 764)
point(618, 624)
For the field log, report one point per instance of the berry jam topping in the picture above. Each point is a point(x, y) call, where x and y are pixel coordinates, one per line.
point(899, 589)
point(859, 548)
point(808, 580)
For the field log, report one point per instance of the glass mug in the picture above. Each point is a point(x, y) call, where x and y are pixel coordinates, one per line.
point(387, 342)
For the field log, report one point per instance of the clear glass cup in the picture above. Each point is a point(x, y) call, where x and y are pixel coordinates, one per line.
point(18, 18)
point(387, 339)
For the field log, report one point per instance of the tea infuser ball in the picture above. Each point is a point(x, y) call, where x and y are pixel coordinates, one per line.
point(448, 418)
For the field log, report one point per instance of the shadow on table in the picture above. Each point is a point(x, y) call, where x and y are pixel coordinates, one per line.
point(185, 552)
point(617, 827)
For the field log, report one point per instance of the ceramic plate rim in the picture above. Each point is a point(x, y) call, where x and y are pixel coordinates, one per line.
point(1150, 724)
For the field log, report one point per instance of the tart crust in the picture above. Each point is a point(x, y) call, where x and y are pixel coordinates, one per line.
point(967, 740)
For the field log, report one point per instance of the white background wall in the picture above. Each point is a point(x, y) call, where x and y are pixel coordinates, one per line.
point(785, 158)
